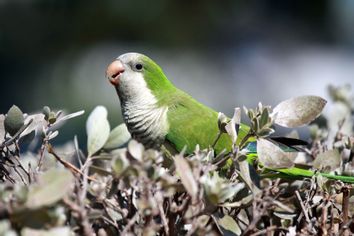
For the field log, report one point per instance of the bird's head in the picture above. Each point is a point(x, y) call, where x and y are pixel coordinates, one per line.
point(133, 73)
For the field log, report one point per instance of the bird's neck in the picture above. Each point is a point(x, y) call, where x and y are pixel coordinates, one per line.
point(145, 118)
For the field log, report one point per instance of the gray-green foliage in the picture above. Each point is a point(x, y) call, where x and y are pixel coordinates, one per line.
point(117, 186)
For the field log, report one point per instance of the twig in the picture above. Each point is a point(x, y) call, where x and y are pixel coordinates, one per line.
point(268, 230)
point(85, 226)
point(302, 207)
point(217, 139)
point(345, 204)
point(130, 224)
point(68, 165)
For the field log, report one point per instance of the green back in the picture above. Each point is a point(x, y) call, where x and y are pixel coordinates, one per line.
point(192, 123)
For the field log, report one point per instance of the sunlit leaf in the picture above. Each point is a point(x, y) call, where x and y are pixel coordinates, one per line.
point(233, 124)
point(185, 172)
point(298, 111)
point(97, 128)
point(118, 137)
point(136, 149)
point(271, 155)
point(2, 128)
point(36, 125)
point(71, 115)
point(52, 186)
point(329, 160)
point(229, 225)
point(60, 231)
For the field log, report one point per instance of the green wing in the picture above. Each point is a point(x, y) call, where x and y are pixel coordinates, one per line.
point(192, 123)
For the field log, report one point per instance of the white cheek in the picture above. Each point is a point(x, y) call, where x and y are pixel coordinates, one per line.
point(132, 84)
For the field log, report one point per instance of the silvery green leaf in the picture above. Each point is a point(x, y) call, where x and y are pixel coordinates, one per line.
point(71, 115)
point(228, 224)
point(53, 134)
point(14, 120)
point(52, 186)
point(136, 149)
point(264, 118)
point(37, 124)
point(231, 125)
point(285, 215)
point(59, 231)
point(222, 121)
point(298, 111)
point(119, 164)
point(98, 129)
point(118, 137)
point(329, 160)
point(272, 156)
point(185, 173)
point(339, 112)
point(2, 128)
point(245, 175)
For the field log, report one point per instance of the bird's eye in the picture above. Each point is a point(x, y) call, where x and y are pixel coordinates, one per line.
point(138, 66)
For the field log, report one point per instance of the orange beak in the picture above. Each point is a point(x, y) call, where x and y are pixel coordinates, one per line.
point(114, 70)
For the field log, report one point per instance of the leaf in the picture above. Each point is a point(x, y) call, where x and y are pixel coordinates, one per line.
point(36, 125)
point(52, 186)
point(2, 128)
point(119, 164)
point(285, 215)
point(298, 111)
point(118, 137)
point(97, 128)
point(136, 150)
point(232, 126)
point(272, 156)
point(14, 120)
point(229, 225)
point(185, 172)
point(59, 231)
point(329, 160)
point(71, 115)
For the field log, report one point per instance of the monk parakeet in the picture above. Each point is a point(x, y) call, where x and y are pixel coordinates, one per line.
point(157, 113)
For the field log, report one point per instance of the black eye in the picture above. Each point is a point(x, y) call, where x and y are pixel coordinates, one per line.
point(138, 66)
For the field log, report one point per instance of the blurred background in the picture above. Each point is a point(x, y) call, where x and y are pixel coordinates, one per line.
point(224, 53)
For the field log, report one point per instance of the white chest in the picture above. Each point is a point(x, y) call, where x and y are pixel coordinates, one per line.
point(146, 121)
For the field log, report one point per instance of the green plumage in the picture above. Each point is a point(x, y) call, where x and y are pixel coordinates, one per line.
point(190, 122)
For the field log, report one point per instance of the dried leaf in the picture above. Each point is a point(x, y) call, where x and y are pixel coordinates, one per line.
point(329, 160)
point(298, 111)
point(185, 172)
point(52, 186)
point(118, 137)
point(97, 128)
point(272, 156)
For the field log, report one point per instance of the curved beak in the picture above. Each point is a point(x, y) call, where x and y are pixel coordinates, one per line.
point(113, 72)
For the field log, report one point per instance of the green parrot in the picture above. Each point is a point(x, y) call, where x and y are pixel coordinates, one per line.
point(157, 113)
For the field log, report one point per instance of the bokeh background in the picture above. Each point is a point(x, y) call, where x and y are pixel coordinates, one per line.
point(224, 53)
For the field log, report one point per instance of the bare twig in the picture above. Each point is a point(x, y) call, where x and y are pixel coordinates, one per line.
point(68, 165)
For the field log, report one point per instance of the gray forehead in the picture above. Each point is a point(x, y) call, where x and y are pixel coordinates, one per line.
point(131, 56)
